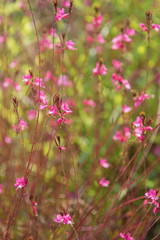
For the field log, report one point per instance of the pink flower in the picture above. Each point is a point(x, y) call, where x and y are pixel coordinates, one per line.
point(53, 110)
point(35, 208)
point(17, 87)
point(123, 135)
point(98, 20)
point(65, 3)
point(126, 109)
point(118, 81)
point(104, 163)
point(142, 25)
point(7, 82)
point(156, 27)
point(59, 120)
point(70, 45)
point(129, 31)
point(62, 148)
point(64, 218)
point(13, 64)
point(1, 188)
point(31, 114)
point(156, 209)
point(126, 236)
point(37, 82)
point(27, 78)
point(89, 102)
point(152, 195)
point(21, 126)
point(7, 140)
point(119, 42)
point(63, 80)
point(104, 183)
point(139, 99)
point(60, 15)
point(100, 39)
point(117, 65)
point(20, 183)
point(45, 43)
point(48, 76)
point(65, 108)
point(100, 69)
point(140, 129)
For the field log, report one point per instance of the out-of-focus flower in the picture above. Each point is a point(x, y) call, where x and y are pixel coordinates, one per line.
point(138, 99)
point(7, 140)
point(14, 63)
point(7, 82)
point(31, 114)
point(60, 15)
point(104, 163)
point(118, 81)
point(123, 135)
point(27, 78)
point(70, 45)
point(100, 39)
point(1, 188)
point(98, 20)
point(104, 183)
point(126, 109)
point(100, 69)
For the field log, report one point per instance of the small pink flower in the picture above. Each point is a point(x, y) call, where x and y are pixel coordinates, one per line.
point(117, 65)
point(152, 195)
point(62, 148)
point(53, 111)
point(118, 81)
point(23, 124)
point(123, 135)
point(17, 87)
point(37, 82)
point(35, 208)
point(100, 69)
point(70, 45)
point(63, 80)
point(64, 218)
point(100, 39)
point(98, 20)
point(27, 78)
point(59, 120)
point(65, 108)
point(89, 102)
point(31, 114)
point(7, 140)
point(7, 82)
point(14, 63)
point(140, 98)
point(129, 31)
point(126, 236)
point(60, 15)
point(48, 76)
point(156, 27)
point(142, 25)
point(20, 183)
point(65, 3)
point(104, 163)
point(1, 188)
point(45, 43)
point(126, 109)
point(104, 183)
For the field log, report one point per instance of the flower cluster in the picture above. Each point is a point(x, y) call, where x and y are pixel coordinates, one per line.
point(122, 135)
point(104, 183)
point(104, 163)
point(118, 81)
point(100, 69)
point(140, 128)
point(120, 40)
point(64, 218)
point(154, 26)
point(152, 196)
point(98, 20)
point(20, 183)
point(126, 236)
point(138, 99)
point(20, 127)
point(60, 15)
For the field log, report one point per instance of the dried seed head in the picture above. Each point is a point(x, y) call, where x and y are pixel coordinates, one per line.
point(71, 7)
point(63, 35)
point(15, 103)
point(148, 18)
point(121, 28)
point(55, 2)
point(150, 120)
point(134, 92)
point(96, 9)
point(31, 73)
point(100, 62)
point(143, 115)
point(59, 139)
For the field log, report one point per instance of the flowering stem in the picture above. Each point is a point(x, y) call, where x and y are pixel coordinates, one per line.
point(75, 232)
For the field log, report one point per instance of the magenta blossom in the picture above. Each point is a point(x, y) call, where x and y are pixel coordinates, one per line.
point(104, 183)
point(1, 188)
point(35, 208)
point(123, 135)
point(38, 81)
point(20, 183)
point(27, 78)
point(140, 129)
point(154, 26)
point(126, 109)
point(152, 195)
point(89, 102)
point(126, 236)
point(100, 69)
point(64, 218)
point(60, 15)
point(140, 98)
point(98, 20)
point(118, 81)
point(7, 82)
point(70, 45)
point(104, 163)
point(100, 39)
point(117, 65)
point(31, 114)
